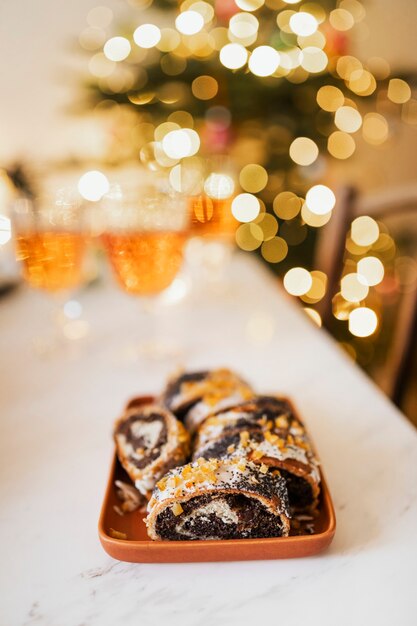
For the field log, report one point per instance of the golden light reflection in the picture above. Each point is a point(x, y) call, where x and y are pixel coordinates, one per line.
point(303, 151)
point(364, 230)
point(268, 223)
point(287, 205)
point(189, 22)
point(352, 289)
point(362, 82)
point(244, 26)
point(249, 237)
point(169, 40)
point(341, 19)
point(178, 144)
point(312, 219)
point(205, 87)
point(342, 308)
point(219, 186)
point(245, 207)
point(341, 145)
point(314, 60)
point(274, 250)
point(117, 48)
point(320, 199)
point(253, 178)
point(303, 23)
point(318, 288)
point(313, 315)
point(297, 281)
point(147, 35)
point(363, 322)
point(233, 56)
point(348, 119)
point(330, 98)
point(370, 270)
point(249, 5)
point(398, 91)
point(93, 185)
point(263, 61)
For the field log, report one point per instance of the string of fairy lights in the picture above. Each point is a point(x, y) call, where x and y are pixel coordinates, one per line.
point(303, 40)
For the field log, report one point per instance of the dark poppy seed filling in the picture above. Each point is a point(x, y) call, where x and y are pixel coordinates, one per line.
point(219, 448)
point(146, 434)
point(224, 516)
point(174, 388)
point(261, 407)
point(300, 493)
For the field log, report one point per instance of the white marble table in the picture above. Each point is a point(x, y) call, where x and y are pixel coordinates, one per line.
point(55, 424)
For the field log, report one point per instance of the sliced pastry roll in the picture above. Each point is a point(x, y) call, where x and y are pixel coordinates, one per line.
point(251, 416)
point(149, 441)
point(219, 499)
point(267, 432)
point(194, 396)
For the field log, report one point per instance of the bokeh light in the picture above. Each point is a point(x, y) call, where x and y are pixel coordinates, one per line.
point(249, 236)
point(263, 61)
point(178, 144)
point(245, 207)
point(398, 91)
point(147, 36)
point(348, 119)
point(274, 250)
point(341, 19)
point(303, 23)
point(117, 48)
point(219, 186)
point(287, 205)
point(297, 281)
point(353, 289)
point(233, 56)
point(314, 60)
point(363, 322)
point(313, 315)
point(364, 230)
point(330, 98)
point(189, 22)
point(303, 151)
point(249, 5)
point(93, 185)
point(205, 87)
point(370, 270)
point(320, 199)
point(253, 178)
point(244, 27)
point(375, 128)
point(341, 145)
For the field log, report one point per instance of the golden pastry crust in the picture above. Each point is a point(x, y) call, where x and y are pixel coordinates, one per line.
point(215, 478)
point(166, 444)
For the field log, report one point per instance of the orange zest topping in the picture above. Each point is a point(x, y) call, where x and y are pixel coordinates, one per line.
point(177, 509)
point(257, 454)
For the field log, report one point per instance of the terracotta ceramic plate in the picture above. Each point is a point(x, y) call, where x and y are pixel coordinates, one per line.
point(138, 548)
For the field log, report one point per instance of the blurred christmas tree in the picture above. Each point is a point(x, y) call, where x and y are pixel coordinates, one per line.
point(242, 103)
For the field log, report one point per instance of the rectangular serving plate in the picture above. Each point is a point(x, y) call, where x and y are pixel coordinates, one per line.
point(138, 548)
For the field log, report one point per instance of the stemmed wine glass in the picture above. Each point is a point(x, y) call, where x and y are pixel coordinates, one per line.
point(50, 245)
point(145, 233)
